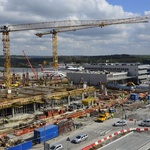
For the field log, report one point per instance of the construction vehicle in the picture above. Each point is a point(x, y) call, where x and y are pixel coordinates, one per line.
point(15, 84)
point(53, 25)
point(103, 115)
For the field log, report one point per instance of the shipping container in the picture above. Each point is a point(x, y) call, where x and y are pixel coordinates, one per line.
point(17, 147)
point(26, 145)
point(23, 146)
point(45, 133)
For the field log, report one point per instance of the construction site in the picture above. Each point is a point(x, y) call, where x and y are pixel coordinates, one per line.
point(27, 104)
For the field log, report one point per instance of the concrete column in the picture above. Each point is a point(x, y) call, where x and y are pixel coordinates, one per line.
point(13, 112)
point(69, 100)
point(94, 94)
point(34, 107)
point(105, 91)
point(101, 88)
point(82, 96)
point(75, 97)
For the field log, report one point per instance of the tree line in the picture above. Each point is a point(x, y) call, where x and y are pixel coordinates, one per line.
point(20, 61)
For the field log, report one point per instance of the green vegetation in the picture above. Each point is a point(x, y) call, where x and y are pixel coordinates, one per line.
point(20, 61)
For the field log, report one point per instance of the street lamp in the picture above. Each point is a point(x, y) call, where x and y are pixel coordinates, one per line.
point(122, 115)
point(68, 140)
point(120, 106)
point(122, 97)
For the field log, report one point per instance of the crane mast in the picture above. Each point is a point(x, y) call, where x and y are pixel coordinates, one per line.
point(53, 25)
point(55, 55)
point(6, 52)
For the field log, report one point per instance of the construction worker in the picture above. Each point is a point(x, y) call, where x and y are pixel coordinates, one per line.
point(17, 93)
point(112, 115)
point(125, 117)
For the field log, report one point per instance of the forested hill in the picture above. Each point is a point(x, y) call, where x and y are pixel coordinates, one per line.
point(20, 61)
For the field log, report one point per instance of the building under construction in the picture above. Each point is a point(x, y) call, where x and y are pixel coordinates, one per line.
point(34, 95)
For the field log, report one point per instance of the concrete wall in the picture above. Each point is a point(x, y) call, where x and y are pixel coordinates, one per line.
point(90, 78)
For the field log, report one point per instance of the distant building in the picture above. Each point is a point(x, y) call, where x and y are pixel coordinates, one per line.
point(120, 73)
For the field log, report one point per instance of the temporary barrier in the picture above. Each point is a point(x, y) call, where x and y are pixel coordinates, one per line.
point(114, 134)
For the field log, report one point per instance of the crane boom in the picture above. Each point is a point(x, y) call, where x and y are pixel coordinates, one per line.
point(74, 28)
point(51, 25)
point(68, 23)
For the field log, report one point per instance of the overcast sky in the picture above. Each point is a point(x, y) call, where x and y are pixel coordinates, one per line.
point(114, 39)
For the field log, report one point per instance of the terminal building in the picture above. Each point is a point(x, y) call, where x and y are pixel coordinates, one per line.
point(116, 73)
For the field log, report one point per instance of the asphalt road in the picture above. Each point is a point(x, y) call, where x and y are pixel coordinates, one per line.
point(96, 131)
point(131, 141)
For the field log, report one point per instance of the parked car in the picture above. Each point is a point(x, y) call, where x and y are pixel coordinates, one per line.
point(56, 147)
point(80, 138)
point(120, 123)
point(145, 123)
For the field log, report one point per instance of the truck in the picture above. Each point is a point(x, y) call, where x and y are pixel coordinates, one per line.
point(103, 115)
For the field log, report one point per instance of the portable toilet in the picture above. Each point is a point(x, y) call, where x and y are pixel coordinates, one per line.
point(134, 97)
point(148, 97)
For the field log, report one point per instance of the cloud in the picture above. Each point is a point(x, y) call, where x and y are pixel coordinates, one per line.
point(114, 39)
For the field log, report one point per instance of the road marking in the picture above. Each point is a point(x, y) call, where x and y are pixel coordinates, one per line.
point(102, 132)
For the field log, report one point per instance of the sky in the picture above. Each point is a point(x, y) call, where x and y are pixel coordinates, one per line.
point(109, 40)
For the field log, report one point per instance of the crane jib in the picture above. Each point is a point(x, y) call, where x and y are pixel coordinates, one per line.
point(68, 23)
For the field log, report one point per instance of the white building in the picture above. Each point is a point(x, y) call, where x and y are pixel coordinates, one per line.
point(114, 73)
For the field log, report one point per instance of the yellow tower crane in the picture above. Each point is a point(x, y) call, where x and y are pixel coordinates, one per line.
point(86, 26)
point(51, 25)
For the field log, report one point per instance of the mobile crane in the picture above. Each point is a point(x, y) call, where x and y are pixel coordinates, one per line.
point(52, 25)
point(34, 72)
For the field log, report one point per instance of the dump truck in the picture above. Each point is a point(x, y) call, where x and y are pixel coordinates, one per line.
point(103, 115)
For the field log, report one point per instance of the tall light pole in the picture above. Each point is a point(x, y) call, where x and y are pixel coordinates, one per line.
point(122, 115)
